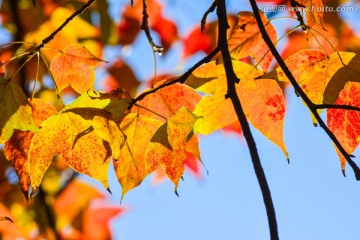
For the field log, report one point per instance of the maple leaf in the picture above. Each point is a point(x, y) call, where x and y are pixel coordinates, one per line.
point(262, 100)
point(86, 138)
point(130, 167)
point(74, 67)
point(15, 110)
point(246, 40)
point(314, 11)
point(168, 100)
point(167, 146)
point(345, 123)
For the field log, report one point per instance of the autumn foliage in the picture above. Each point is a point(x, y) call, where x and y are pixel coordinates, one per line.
point(155, 129)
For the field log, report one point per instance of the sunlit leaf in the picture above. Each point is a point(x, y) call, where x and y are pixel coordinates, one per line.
point(262, 100)
point(15, 110)
point(130, 167)
point(86, 138)
point(168, 100)
point(345, 124)
point(167, 148)
point(74, 67)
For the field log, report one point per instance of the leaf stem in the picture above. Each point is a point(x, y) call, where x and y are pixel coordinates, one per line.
point(231, 80)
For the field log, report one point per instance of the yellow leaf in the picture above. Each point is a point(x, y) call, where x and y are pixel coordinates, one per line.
point(85, 143)
point(130, 167)
point(17, 148)
point(262, 100)
point(75, 30)
point(74, 67)
point(167, 148)
point(15, 110)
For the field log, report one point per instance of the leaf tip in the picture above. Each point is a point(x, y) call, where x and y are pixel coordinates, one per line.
point(343, 172)
point(177, 194)
point(288, 160)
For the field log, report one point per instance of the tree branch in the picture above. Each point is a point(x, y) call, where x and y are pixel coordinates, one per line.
point(301, 93)
point(231, 80)
point(203, 20)
point(66, 22)
point(337, 106)
point(145, 27)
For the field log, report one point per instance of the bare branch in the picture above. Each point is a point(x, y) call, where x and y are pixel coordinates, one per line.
point(337, 106)
point(203, 20)
point(231, 80)
point(145, 27)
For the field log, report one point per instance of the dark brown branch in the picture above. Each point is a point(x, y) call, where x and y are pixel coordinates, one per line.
point(145, 27)
point(295, 5)
point(180, 79)
point(231, 80)
point(299, 91)
point(337, 106)
point(66, 22)
point(203, 20)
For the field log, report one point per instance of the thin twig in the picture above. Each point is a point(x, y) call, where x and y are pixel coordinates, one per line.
point(203, 20)
point(231, 93)
point(66, 22)
point(145, 27)
point(337, 106)
point(180, 79)
point(299, 91)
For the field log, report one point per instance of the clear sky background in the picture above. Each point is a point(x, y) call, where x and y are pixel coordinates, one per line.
point(311, 197)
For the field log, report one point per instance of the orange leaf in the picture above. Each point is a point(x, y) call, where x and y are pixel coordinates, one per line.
point(246, 39)
point(73, 201)
point(130, 167)
point(167, 147)
point(314, 11)
point(345, 123)
point(321, 77)
point(74, 67)
point(168, 100)
point(97, 219)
